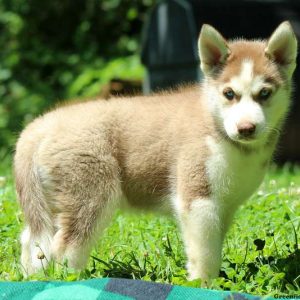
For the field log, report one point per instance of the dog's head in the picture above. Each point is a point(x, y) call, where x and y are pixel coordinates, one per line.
point(248, 83)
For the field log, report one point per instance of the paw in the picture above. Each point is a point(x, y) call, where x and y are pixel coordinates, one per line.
point(194, 273)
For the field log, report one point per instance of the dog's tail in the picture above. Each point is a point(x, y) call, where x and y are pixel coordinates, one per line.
point(38, 233)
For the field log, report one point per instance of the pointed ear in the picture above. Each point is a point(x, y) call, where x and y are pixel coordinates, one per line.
point(282, 48)
point(213, 49)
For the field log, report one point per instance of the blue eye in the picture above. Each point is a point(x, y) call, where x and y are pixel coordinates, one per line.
point(264, 94)
point(229, 93)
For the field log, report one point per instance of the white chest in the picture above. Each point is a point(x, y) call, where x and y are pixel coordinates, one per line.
point(233, 174)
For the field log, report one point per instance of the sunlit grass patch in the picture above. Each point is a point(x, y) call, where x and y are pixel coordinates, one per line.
point(261, 252)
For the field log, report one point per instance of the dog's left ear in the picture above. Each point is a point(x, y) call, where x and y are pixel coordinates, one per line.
point(282, 48)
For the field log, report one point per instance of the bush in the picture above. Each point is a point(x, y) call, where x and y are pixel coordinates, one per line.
point(57, 50)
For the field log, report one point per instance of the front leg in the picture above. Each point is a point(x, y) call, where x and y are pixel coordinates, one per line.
point(202, 231)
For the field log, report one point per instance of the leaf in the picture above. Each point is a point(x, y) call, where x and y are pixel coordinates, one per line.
point(260, 244)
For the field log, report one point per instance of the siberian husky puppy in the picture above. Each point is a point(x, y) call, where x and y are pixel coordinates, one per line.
point(197, 153)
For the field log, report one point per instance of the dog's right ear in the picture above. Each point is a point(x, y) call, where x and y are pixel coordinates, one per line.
point(213, 49)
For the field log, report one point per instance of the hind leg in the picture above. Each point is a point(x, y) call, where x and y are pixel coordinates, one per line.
point(88, 193)
point(77, 235)
point(35, 250)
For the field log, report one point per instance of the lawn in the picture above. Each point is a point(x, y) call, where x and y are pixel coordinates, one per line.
point(261, 252)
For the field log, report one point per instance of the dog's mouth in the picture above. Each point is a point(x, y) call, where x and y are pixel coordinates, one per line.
point(245, 133)
point(246, 139)
point(253, 139)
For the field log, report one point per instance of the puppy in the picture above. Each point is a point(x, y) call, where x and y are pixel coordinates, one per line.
point(197, 153)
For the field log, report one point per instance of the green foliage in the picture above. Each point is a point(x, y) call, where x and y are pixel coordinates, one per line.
point(261, 252)
point(56, 50)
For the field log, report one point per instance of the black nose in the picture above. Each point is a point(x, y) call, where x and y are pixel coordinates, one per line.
point(246, 129)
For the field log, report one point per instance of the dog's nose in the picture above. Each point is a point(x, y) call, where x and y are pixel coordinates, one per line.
point(246, 129)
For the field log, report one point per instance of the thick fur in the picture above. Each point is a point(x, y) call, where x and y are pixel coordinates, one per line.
point(179, 152)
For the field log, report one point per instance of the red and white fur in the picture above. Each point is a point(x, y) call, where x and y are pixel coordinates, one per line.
point(197, 153)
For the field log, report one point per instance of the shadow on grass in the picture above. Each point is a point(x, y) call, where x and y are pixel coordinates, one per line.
point(288, 267)
point(129, 265)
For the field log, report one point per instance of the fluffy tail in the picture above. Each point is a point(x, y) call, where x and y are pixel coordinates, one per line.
point(38, 233)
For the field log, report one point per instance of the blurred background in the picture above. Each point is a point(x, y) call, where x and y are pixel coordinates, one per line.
point(56, 50)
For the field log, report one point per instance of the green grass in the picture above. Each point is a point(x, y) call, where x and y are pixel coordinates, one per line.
point(261, 253)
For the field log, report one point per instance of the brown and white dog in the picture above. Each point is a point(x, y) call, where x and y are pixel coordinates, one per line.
point(197, 153)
